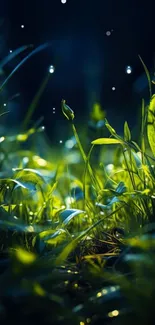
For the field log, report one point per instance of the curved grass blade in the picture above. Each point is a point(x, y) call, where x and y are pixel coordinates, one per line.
point(67, 215)
point(148, 75)
point(73, 244)
point(13, 55)
point(38, 49)
point(4, 113)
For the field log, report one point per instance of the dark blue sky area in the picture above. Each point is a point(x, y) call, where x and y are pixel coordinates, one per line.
point(88, 63)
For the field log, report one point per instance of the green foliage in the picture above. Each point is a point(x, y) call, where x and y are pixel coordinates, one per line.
point(151, 124)
point(67, 111)
point(77, 241)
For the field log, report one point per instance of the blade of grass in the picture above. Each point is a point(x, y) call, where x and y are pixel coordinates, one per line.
point(38, 49)
point(72, 245)
point(11, 56)
point(148, 75)
point(35, 102)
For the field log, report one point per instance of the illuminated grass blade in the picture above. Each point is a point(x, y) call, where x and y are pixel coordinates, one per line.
point(72, 245)
point(106, 141)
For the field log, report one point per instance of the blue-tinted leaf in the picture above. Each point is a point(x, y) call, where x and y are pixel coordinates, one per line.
point(121, 188)
point(77, 193)
point(69, 214)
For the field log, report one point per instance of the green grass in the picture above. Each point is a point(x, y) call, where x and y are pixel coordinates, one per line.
point(77, 239)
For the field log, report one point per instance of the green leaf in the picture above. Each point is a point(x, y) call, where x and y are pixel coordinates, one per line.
point(57, 238)
point(147, 75)
point(25, 257)
point(72, 245)
point(67, 111)
point(127, 134)
point(69, 214)
point(31, 179)
point(121, 188)
point(151, 124)
point(109, 127)
point(106, 141)
point(97, 113)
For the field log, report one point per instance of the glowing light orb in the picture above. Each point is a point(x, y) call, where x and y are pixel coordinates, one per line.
point(63, 1)
point(128, 69)
point(113, 88)
point(22, 26)
point(69, 144)
point(10, 51)
point(108, 33)
point(51, 69)
point(60, 141)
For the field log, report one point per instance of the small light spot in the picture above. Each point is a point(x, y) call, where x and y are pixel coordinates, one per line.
point(25, 160)
point(51, 69)
point(109, 168)
point(22, 26)
point(60, 141)
point(63, 1)
point(108, 33)
point(69, 144)
point(53, 108)
point(113, 88)
point(104, 291)
point(113, 313)
point(41, 162)
point(128, 69)
point(82, 323)
point(2, 139)
point(113, 289)
point(4, 104)
point(99, 294)
point(10, 51)
point(75, 285)
point(53, 112)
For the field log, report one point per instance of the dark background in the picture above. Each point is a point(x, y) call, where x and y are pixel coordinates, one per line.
point(88, 63)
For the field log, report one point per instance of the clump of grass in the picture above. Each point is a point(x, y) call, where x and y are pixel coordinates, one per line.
point(77, 244)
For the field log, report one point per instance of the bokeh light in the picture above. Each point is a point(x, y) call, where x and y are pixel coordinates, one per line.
point(108, 33)
point(128, 69)
point(51, 69)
